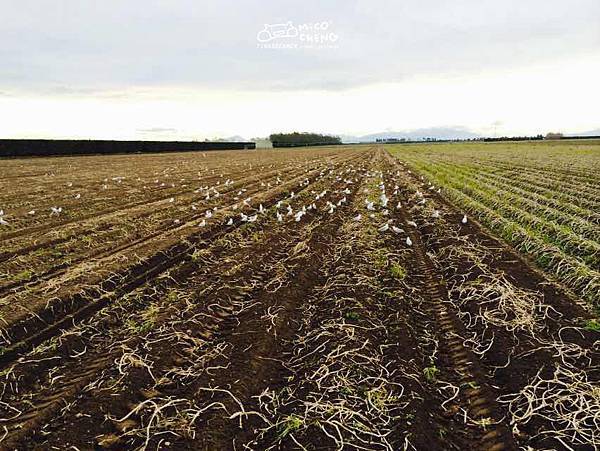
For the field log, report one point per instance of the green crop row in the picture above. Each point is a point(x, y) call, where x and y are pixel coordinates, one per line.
point(531, 212)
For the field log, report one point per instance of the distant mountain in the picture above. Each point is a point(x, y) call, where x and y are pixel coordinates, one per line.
point(416, 135)
point(235, 138)
point(595, 132)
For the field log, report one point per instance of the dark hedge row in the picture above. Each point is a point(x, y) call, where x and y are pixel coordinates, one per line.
point(45, 147)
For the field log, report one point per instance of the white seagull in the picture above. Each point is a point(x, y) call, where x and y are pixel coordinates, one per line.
point(384, 228)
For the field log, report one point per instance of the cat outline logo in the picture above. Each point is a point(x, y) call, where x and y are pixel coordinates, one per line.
point(277, 31)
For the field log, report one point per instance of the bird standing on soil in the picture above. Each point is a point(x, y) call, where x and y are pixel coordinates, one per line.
point(397, 229)
point(3, 221)
point(464, 219)
point(55, 211)
point(408, 241)
point(384, 200)
point(230, 222)
point(435, 214)
point(358, 217)
point(384, 228)
point(412, 223)
point(202, 223)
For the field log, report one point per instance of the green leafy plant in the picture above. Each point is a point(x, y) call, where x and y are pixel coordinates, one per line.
point(290, 424)
point(592, 325)
point(397, 271)
point(431, 373)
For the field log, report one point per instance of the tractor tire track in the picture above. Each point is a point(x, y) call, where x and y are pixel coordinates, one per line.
point(480, 397)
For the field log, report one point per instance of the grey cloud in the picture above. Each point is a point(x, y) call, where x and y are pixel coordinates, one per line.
point(157, 130)
point(84, 48)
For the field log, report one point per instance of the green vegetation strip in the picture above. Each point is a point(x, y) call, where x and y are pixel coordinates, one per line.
point(525, 194)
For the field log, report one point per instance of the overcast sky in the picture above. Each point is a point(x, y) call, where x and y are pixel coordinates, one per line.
point(174, 69)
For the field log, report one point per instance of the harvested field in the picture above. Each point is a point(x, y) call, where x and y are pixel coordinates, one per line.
point(324, 298)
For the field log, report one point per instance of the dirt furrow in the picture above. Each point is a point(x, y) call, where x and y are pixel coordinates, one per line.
point(218, 316)
point(62, 310)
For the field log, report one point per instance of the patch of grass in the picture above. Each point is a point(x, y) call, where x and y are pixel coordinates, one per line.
point(147, 321)
point(353, 316)
point(431, 373)
point(397, 271)
point(379, 397)
point(290, 424)
point(172, 296)
point(380, 258)
point(23, 275)
point(592, 325)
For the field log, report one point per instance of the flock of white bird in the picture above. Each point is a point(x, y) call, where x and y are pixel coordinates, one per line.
point(283, 207)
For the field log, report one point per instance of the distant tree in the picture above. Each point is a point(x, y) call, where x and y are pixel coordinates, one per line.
point(554, 135)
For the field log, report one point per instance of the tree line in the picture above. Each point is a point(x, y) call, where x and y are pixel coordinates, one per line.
point(302, 139)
